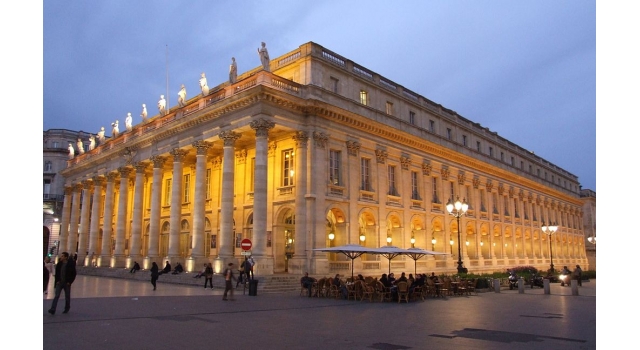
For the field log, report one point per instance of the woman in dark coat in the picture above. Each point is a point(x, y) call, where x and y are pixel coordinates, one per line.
point(154, 274)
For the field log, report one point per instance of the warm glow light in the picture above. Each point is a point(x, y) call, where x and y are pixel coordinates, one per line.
point(388, 239)
point(433, 241)
point(413, 240)
point(362, 238)
point(467, 243)
point(332, 236)
point(481, 243)
point(451, 242)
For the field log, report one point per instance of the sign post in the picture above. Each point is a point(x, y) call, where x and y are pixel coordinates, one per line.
point(246, 244)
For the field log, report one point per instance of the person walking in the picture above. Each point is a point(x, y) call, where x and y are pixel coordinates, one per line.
point(578, 273)
point(243, 270)
point(154, 274)
point(228, 277)
point(208, 276)
point(64, 277)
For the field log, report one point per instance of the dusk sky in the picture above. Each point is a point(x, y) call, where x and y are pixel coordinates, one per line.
point(526, 70)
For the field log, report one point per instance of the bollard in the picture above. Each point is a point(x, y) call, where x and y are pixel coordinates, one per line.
point(520, 286)
point(496, 285)
point(574, 288)
point(547, 288)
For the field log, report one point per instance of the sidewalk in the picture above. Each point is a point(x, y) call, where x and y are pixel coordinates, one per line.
point(108, 313)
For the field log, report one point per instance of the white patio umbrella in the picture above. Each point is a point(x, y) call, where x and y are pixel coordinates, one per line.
point(351, 251)
point(389, 252)
point(417, 253)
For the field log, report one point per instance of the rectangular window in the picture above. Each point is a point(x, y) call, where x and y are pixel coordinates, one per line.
point(363, 97)
point(389, 108)
point(464, 140)
point(478, 147)
point(483, 200)
point(513, 161)
point(506, 206)
point(553, 179)
point(56, 144)
point(365, 174)
point(469, 196)
point(432, 126)
point(545, 175)
point(495, 203)
point(48, 166)
point(287, 167)
point(501, 156)
point(490, 151)
point(392, 180)
point(185, 188)
point(526, 210)
point(334, 84)
point(530, 169)
point(412, 118)
point(434, 197)
point(47, 187)
point(449, 134)
point(451, 191)
point(167, 192)
point(415, 194)
point(538, 172)
point(208, 184)
point(515, 208)
point(521, 165)
point(334, 167)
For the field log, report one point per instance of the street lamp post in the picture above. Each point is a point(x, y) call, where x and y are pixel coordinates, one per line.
point(458, 209)
point(550, 230)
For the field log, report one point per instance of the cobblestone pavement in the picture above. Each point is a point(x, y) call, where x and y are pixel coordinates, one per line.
point(109, 313)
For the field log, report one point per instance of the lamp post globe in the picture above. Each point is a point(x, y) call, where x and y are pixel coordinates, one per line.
point(549, 231)
point(458, 209)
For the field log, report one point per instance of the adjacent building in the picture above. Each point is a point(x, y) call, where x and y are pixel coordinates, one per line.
point(317, 151)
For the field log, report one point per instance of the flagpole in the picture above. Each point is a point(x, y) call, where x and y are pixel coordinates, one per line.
point(167, 67)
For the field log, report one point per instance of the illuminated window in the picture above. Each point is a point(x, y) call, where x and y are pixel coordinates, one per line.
point(334, 167)
point(167, 192)
point(363, 97)
point(185, 188)
point(208, 184)
point(287, 167)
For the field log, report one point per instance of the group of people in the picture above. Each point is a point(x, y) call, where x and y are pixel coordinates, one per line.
point(577, 274)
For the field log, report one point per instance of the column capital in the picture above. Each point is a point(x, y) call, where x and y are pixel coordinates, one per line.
point(68, 190)
point(262, 126)
point(426, 168)
point(78, 187)
point(229, 137)
point(381, 156)
point(124, 171)
point(301, 138)
point(476, 182)
point(353, 147)
point(202, 147)
point(140, 167)
point(111, 176)
point(405, 162)
point(87, 184)
point(158, 161)
point(178, 154)
point(320, 139)
point(98, 180)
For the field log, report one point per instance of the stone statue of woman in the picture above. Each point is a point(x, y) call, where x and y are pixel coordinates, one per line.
point(128, 122)
point(144, 113)
point(101, 135)
point(115, 130)
point(92, 142)
point(162, 105)
point(72, 153)
point(264, 57)
point(203, 85)
point(80, 146)
point(182, 96)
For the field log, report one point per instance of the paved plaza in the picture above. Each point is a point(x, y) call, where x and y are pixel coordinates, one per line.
point(109, 313)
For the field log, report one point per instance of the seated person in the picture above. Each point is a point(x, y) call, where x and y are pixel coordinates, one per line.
point(418, 282)
point(385, 281)
point(178, 269)
point(434, 278)
point(167, 268)
point(360, 277)
point(343, 289)
point(402, 278)
point(392, 278)
point(307, 282)
point(135, 267)
point(201, 273)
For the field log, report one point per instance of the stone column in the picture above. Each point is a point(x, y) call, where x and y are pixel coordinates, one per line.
point(225, 251)
point(107, 224)
point(64, 225)
point(154, 215)
point(263, 264)
point(175, 213)
point(94, 230)
point(135, 244)
point(298, 264)
point(197, 258)
point(83, 231)
point(118, 258)
point(73, 222)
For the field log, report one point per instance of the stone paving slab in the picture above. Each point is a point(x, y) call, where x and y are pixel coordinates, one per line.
point(109, 313)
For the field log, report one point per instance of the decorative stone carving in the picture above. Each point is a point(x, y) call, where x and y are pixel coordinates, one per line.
point(405, 162)
point(98, 180)
point(72, 152)
point(229, 137)
point(204, 88)
point(320, 139)
point(461, 178)
point(128, 122)
point(100, 136)
point(115, 129)
point(241, 155)
point(301, 138)
point(353, 147)
point(476, 182)
point(92, 142)
point(162, 106)
point(217, 162)
point(158, 161)
point(500, 189)
point(80, 147)
point(143, 114)
point(444, 172)
point(128, 153)
point(182, 96)
point(381, 156)
point(178, 154)
point(511, 192)
point(426, 168)
point(489, 185)
point(262, 126)
point(272, 148)
point(233, 71)
point(201, 147)
point(264, 57)
point(521, 195)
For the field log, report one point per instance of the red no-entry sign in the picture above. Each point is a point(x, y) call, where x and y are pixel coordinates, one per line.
point(246, 244)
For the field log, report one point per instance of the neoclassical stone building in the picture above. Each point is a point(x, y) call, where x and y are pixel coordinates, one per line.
point(317, 147)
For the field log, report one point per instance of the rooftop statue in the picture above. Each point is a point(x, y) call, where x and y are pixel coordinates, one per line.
point(182, 96)
point(162, 105)
point(101, 136)
point(115, 131)
point(128, 123)
point(233, 71)
point(80, 146)
point(264, 57)
point(203, 85)
point(71, 151)
point(92, 142)
point(144, 113)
